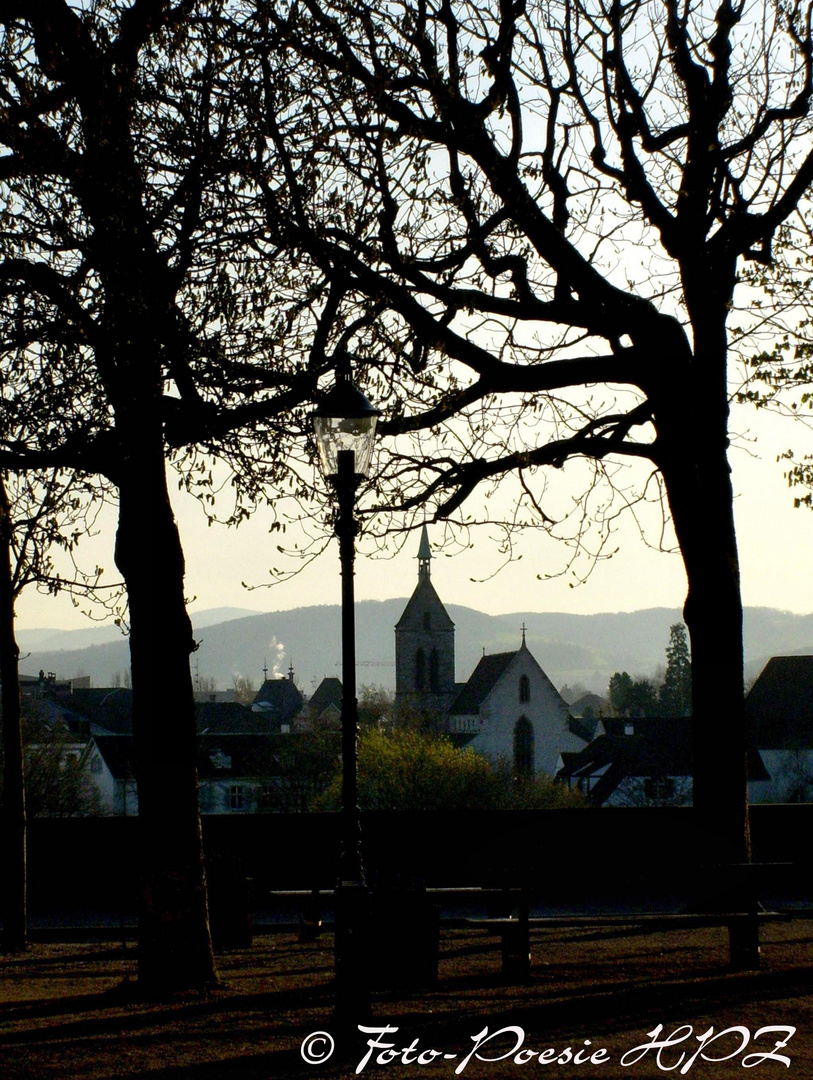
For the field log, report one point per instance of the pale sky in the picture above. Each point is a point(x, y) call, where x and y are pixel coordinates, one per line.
point(774, 539)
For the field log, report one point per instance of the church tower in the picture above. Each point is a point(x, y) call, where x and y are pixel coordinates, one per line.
point(424, 643)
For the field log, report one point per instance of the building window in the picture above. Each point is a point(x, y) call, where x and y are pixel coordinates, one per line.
point(236, 798)
point(659, 788)
point(523, 748)
point(420, 670)
point(427, 619)
point(524, 688)
point(434, 674)
point(266, 800)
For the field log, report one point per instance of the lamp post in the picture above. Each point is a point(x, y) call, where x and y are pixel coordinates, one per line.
point(344, 425)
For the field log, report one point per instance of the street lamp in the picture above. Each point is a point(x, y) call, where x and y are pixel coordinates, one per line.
point(344, 425)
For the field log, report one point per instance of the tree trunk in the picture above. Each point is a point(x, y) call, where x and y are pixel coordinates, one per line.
point(14, 910)
point(701, 497)
point(175, 947)
point(698, 482)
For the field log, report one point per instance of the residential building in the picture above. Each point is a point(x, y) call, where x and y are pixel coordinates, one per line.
point(237, 773)
point(640, 762)
point(112, 769)
point(279, 701)
point(324, 707)
point(779, 713)
point(634, 762)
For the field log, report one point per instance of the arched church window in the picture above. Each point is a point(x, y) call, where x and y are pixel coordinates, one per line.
point(523, 747)
point(420, 669)
point(434, 672)
point(524, 688)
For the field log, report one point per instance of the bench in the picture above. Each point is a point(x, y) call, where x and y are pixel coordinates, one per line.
point(514, 931)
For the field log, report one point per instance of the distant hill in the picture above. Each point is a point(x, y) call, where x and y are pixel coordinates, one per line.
point(50, 641)
point(572, 649)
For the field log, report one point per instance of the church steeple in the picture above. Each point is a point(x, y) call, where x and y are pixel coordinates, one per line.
point(424, 556)
point(424, 642)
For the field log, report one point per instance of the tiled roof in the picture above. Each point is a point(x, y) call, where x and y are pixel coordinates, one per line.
point(590, 703)
point(327, 693)
point(483, 680)
point(279, 699)
point(424, 599)
point(659, 747)
point(581, 728)
point(229, 717)
point(118, 754)
point(779, 707)
point(110, 708)
point(218, 756)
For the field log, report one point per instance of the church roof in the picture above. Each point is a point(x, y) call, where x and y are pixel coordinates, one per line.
point(424, 550)
point(424, 599)
point(483, 680)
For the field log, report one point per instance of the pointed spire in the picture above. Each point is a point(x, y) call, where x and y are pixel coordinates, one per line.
point(424, 556)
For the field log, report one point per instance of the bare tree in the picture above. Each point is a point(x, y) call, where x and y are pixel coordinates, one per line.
point(39, 513)
point(57, 776)
point(208, 200)
point(244, 689)
point(541, 210)
point(143, 311)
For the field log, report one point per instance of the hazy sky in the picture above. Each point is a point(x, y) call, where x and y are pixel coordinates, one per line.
point(775, 551)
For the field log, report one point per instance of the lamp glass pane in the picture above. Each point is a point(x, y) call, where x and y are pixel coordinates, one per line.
point(335, 433)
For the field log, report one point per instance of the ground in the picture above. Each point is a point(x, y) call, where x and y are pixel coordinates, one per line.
point(66, 1013)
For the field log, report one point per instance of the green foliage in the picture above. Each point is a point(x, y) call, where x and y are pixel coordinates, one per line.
point(404, 769)
point(619, 692)
point(799, 474)
point(308, 764)
point(535, 793)
point(644, 697)
point(676, 691)
point(633, 697)
point(779, 377)
point(375, 705)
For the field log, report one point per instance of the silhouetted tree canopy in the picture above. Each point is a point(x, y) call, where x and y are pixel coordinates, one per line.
point(538, 214)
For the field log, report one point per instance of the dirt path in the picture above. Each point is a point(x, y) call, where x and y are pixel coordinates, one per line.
point(64, 1014)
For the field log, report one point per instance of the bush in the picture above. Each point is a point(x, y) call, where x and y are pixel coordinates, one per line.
point(406, 770)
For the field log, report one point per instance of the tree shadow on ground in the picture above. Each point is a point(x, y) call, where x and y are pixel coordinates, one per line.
point(255, 1025)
